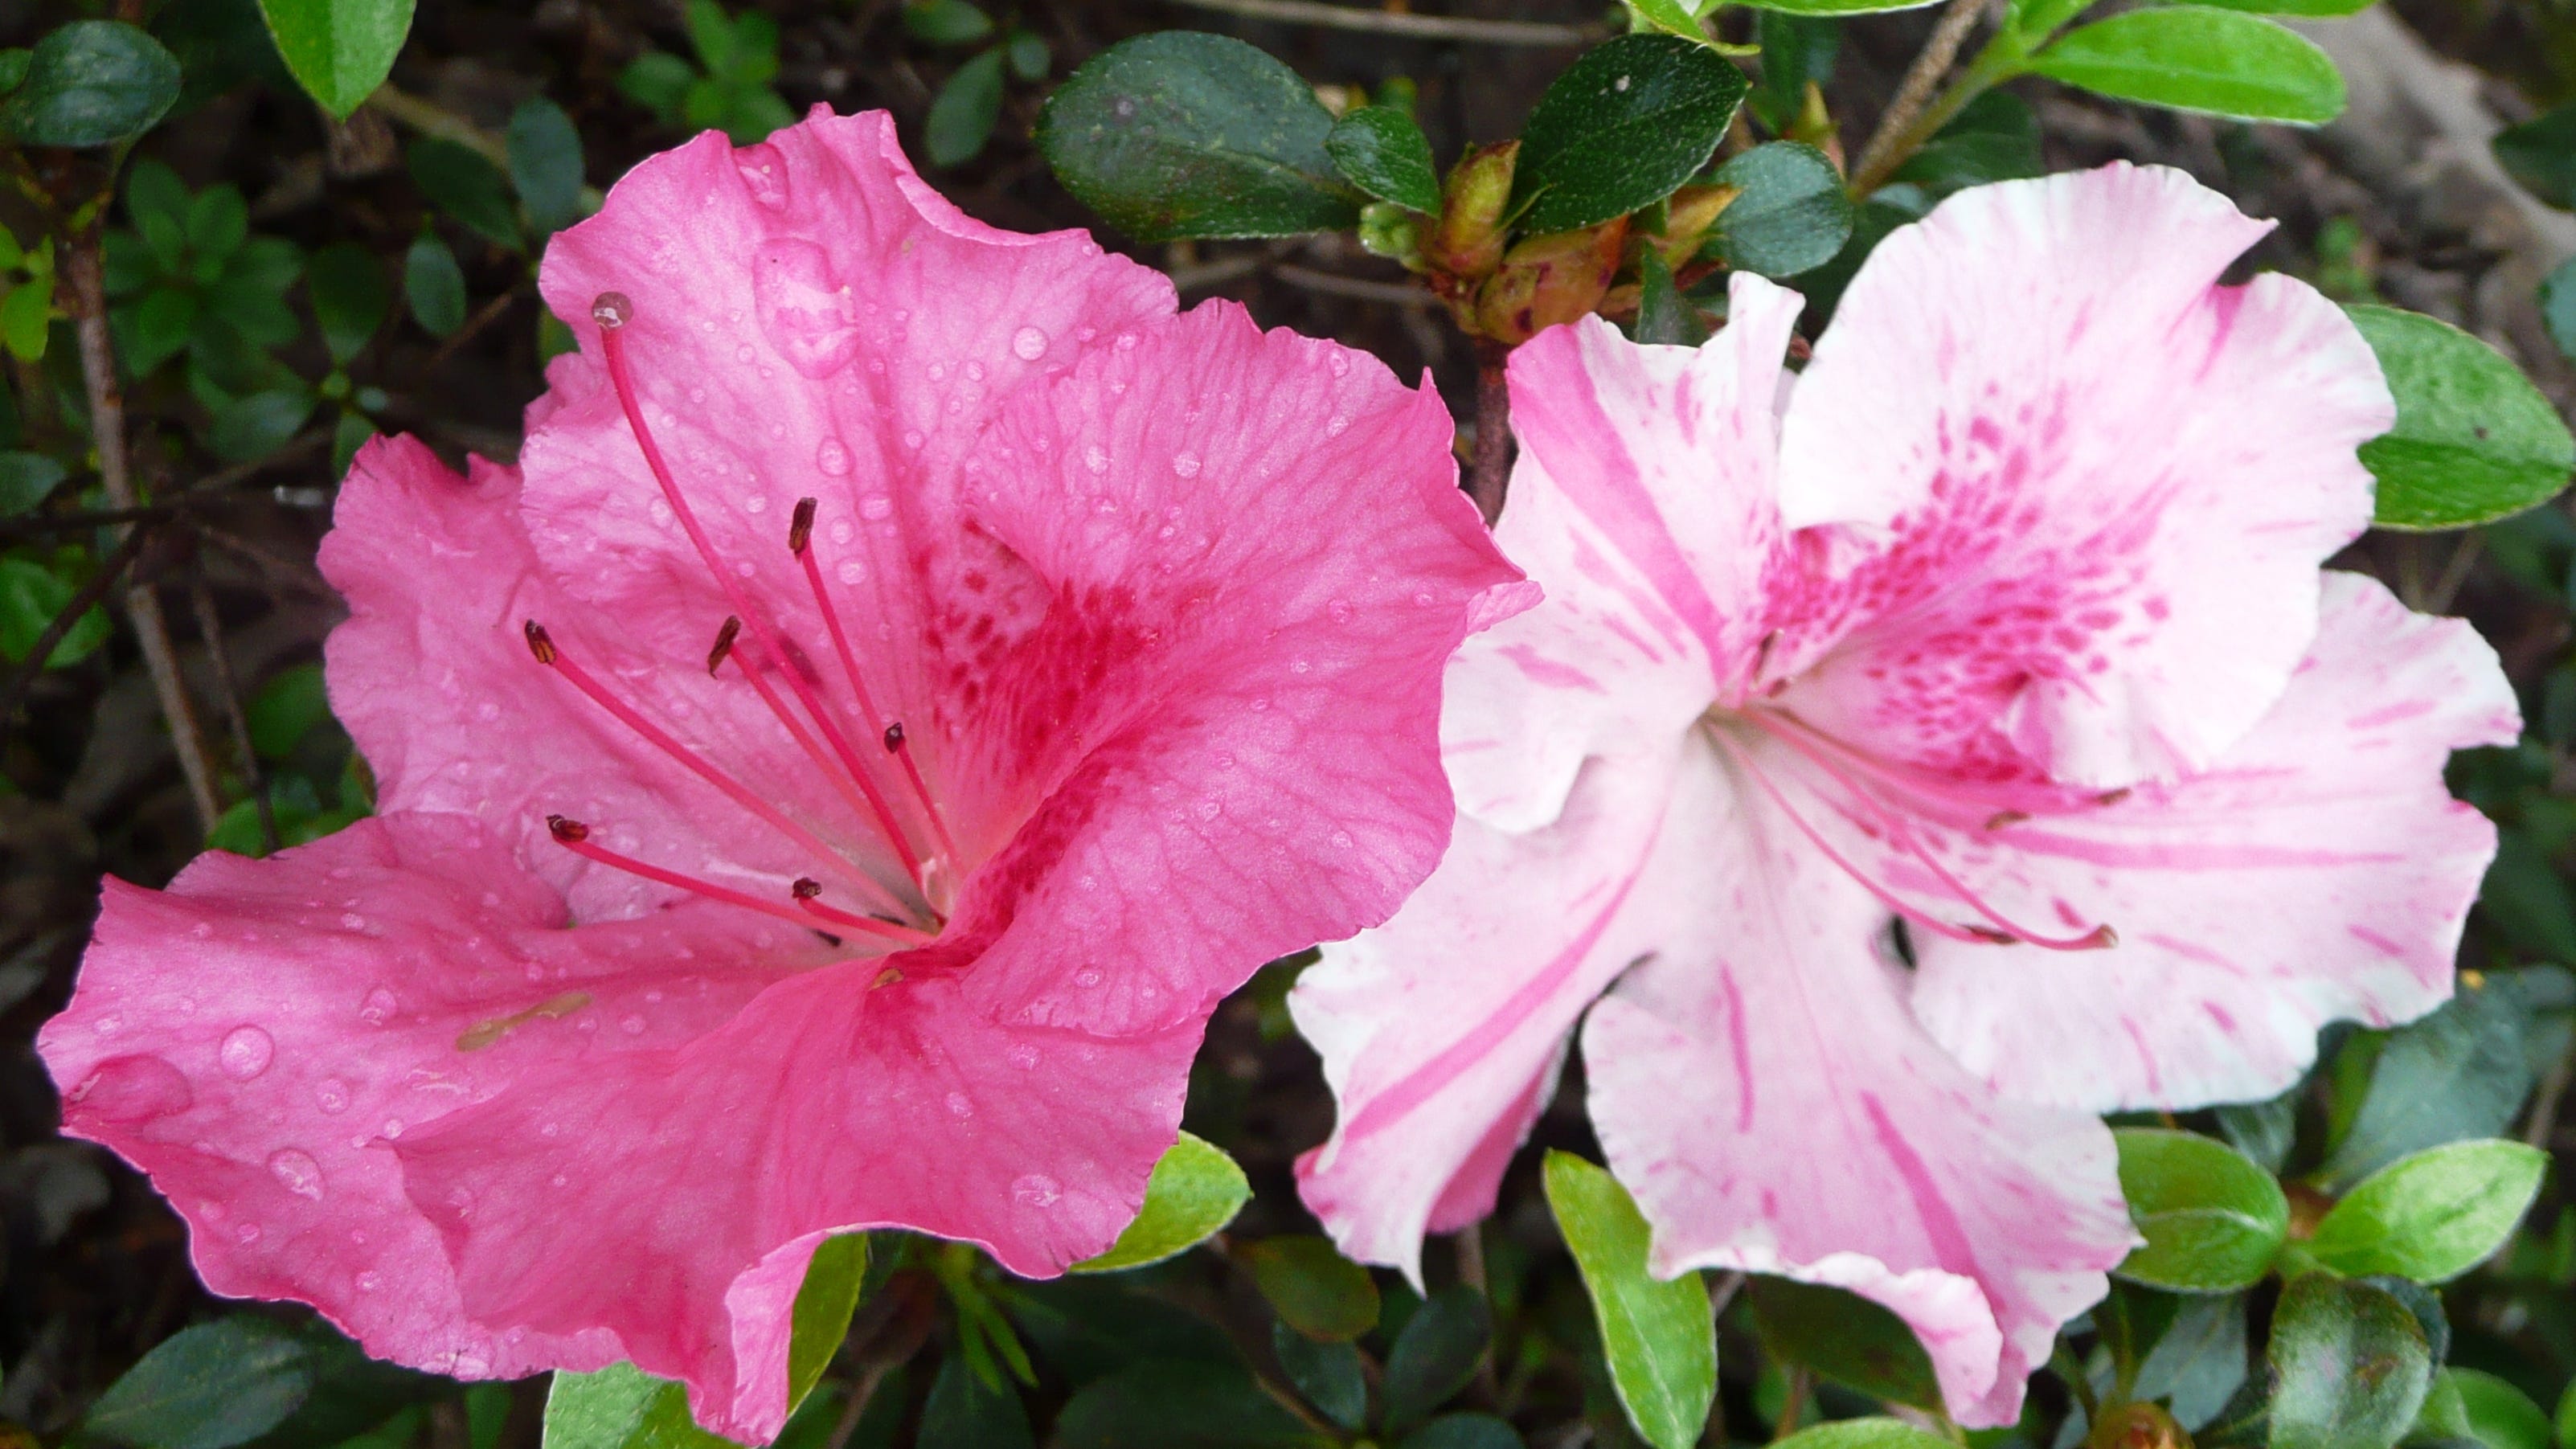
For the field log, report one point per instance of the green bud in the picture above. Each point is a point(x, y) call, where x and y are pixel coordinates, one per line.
point(1467, 241)
point(1388, 230)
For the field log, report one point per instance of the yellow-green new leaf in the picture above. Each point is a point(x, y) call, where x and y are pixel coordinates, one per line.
point(1658, 1336)
point(1195, 1191)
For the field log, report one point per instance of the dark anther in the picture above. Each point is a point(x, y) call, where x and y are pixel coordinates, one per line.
point(2103, 938)
point(800, 530)
point(2002, 818)
point(2112, 797)
point(894, 737)
point(566, 830)
point(540, 643)
point(806, 888)
point(724, 642)
point(611, 310)
point(1991, 935)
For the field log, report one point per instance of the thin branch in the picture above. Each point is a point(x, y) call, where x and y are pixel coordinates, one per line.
point(1388, 22)
point(484, 316)
point(860, 1393)
point(2446, 589)
point(1914, 92)
point(1393, 294)
point(210, 631)
point(430, 118)
point(22, 679)
point(142, 605)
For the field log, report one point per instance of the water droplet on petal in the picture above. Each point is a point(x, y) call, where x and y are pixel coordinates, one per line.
point(1339, 610)
point(297, 1172)
point(246, 1052)
point(370, 1280)
point(833, 458)
point(393, 1127)
point(1087, 976)
point(959, 1107)
point(1028, 344)
point(378, 1008)
point(1186, 465)
point(331, 1095)
point(1022, 1056)
point(1095, 458)
point(876, 507)
point(803, 310)
point(246, 1234)
point(632, 1026)
point(1035, 1189)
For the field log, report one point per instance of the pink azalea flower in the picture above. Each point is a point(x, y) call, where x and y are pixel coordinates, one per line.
point(752, 869)
point(2003, 621)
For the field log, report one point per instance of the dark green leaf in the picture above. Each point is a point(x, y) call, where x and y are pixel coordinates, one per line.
point(339, 50)
point(466, 187)
point(1993, 138)
point(2311, 8)
point(945, 22)
point(2350, 1364)
point(821, 1317)
point(2500, 1415)
point(656, 80)
point(13, 66)
point(1844, 1337)
point(2263, 1131)
point(964, 112)
point(1620, 129)
point(2425, 1304)
point(1464, 1431)
point(1194, 1192)
point(2432, 1216)
point(259, 424)
point(285, 710)
point(2558, 307)
point(1327, 1373)
point(2474, 440)
point(2456, 1074)
point(2199, 1361)
point(348, 435)
point(434, 286)
point(1029, 55)
point(1318, 1291)
point(1436, 1353)
point(1383, 152)
point(964, 1413)
point(2196, 58)
point(1796, 49)
point(1179, 134)
point(350, 298)
point(1663, 314)
point(545, 163)
point(218, 223)
point(1179, 1406)
point(152, 331)
point(208, 1387)
point(1089, 1328)
point(26, 479)
point(1790, 215)
point(92, 83)
point(2541, 154)
point(1657, 1335)
point(2213, 1220)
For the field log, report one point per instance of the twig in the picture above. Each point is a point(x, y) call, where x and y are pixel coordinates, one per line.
point(1728, 1285)
point(2544, 1106)
point(1215, 273)
point(210, 630)
point(1469, 1243)
point(142, 605)
point(22, 679)
point(1489, 471)
point(207, 492)
point(1914, 93)
point(860, 1393)
point(432, 119)
point(2446, 589)
point(1394, 294)
point(1793, 1404)
point(484, 316)
point(1388, 22)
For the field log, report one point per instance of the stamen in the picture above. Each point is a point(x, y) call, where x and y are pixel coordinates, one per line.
point(807, 889)
point(874, 801)
point(724, 644)
point(574, 836)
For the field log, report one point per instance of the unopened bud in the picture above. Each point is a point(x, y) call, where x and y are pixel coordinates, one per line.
point(1388, 230)
point(2137, 1426)
point(1467, 240)
point(1687, 218)
point(1815, 125)
point(1550, 279)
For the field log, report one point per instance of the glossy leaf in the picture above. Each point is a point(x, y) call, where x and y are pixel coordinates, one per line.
point(1837, 7)
point(1664, 315)
point(1844, 1337)
point(2541, 154)
point(208, 1387)
point(2350, 1364)
point(1435, 1354)
point(2197, 58)
point(338, 50)
point(963, 114)
point(1863, 1434)
point(2432, 1216)
point(963, 1412)
point(545, 163)
point(26, 318)
point(945, 22)
point(1993, 138)
point(2313, 9)
point(350, 297)
point(1328, 1374)
point(2199, 1361)
point(466, 186)
point(434, 286)
point(2474, 440)
point(2462, 1072)
point(1464, 1431)
point(1315, 1289)
point(1658, 1337)
point(1383, 152)
point(91, 83)
point(1194, 1192)
point(2212, 1219)
point(2500, 1416)
point(285, 710)
point(1790, 215)
point(1620, 129)
point(1180, 134)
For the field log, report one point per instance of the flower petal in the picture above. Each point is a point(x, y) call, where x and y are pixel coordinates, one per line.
point(2113, 479)
point(1441, 1031)
point(1759, 1087)
point(2319, 872)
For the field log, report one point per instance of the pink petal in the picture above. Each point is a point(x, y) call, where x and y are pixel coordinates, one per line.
point(1758, 1085)
point(2113, 480)
point(390, 1084)
point(2319, 872)
point(1441, 1032)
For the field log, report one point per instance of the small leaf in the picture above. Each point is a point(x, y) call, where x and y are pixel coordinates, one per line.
point(2351, 1366)
point(2432, 1216)
point(258, 424)
point(963, 114)
point(603, 1410)
point(1657, 1335)
point(2459, 1073)
point(434, 286)
point(1663, 314)
point(2213, 1220)
point(285, 710)
point(1180, 134)
point(2196, 58)
point(1863, 1434)
point(2474, 440)
point(2558, 307)
point(2541, 154)
point(26, 479)
point(1836, 7)
point(1194, 1192)
point(964, 1413)
point(350, 298)
point(1436, 1353)
point(1383, 152)
point(208, 1387)
point(545, 163)
point(92, 83)
point(2198, 1363)
point(1993, 138)
point(1328, 1374)
point(1319, 1292)
point(339, 50)
point(821, 1317)
point(1620, 129)
point(26, 318)
point(1671, 17)
point(2500, 1415)
point(1845, 1337)
point(2264, 1131)
point(1030, 55)
point(467, 187)
point(945, 22)
point(1791, 213)
point(1464, 1431)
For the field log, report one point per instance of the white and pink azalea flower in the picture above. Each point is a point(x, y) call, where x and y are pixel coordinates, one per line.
point(1914, 757)
point(909, 677)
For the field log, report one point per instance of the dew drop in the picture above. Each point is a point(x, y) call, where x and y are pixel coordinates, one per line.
point(632, 1026)
point(378, 1008)
point(246, 1052)
point(370, 1280)
point(353, 920)
point(1035, 1189)
point(1087, 976)
point(912, 439)
point(1185, 465)
point(833, 458)
point(1028, 344)
point(743, 353)
point(1339, 610)
point(201, 930)
point(393, 1128)
point(1341, 840)
point(1022, 1056)
point(297, 1172)
point(1338, 361)
point(959, 1107)
point(246, 1234)
point(1336, 425)
point(331, 1095)
point(850, 571)
point(755, 504)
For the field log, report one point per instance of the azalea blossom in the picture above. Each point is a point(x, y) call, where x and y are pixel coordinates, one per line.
point(1914, 757)
point(910, 675)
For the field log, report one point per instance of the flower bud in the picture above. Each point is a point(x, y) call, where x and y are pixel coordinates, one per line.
point(1687, 218)
point(1550, 279)
point(2137, 1426)
point(1467, 240)
point(1815, 126)
point(1388, 230)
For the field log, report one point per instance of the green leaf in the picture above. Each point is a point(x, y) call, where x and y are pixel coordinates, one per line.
point(2434, 1215)
point(1383, 152)
point(2196, 58)
point(1663, 314)
point(218, 223)
point(258, 424)
point(2198, 1362)
point(1464, 1431)
point(945, 22)
point(1195, 1191)
point(965, 111)
point(1179, 134)
point(2500, 1415)
point(154, 330)
point(1160, 1404)
point(657, 80)
point(1319, 1292)
point(1436, 1353)
point(1791, 213)
point(545, 163)
point(1030, 55)
point(1844, 1337)
point(434, 286)
point(2558, 307)
point(2459, 1073)
point(964, 1413)
point(1620, 129)
point(1796, 49)
point(821, 1317)
point(2350, 1363)
point(2213, 1220)
point(26, 479)
point(1836, 7)
point(2541, 154)
point(285, 710)
point(2264, 1131)
point(1328, 1374)
point(2308, 8)
point(92, 83)
point(466, 187)
point(1993, 138)
point(2474, 440)
point(208, 1387)
point(347, 436)
point(339, 50)
point(1671, 17)
point(1863, 1434)
point(26, 318)
point(350, 298)
point(1658, 1337)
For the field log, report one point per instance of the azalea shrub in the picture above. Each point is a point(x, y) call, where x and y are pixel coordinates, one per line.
point(1916, 800)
